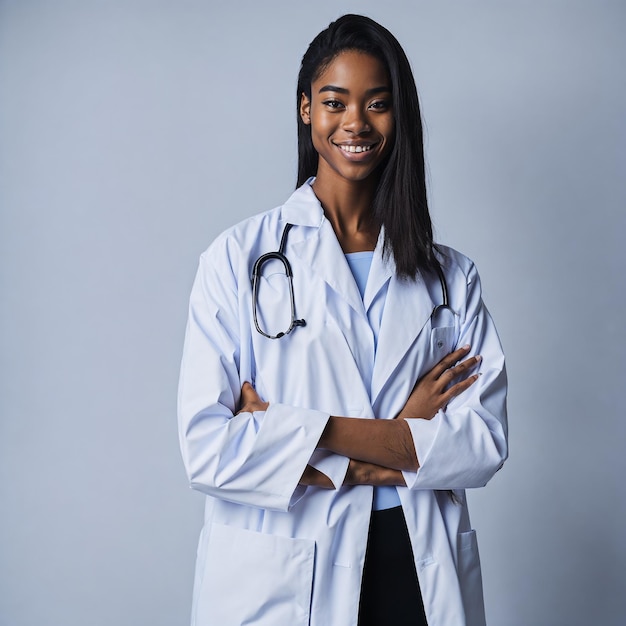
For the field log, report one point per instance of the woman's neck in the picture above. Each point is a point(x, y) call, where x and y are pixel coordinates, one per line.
point(348, 207)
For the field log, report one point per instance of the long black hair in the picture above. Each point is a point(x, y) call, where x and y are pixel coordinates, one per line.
point(400, 202)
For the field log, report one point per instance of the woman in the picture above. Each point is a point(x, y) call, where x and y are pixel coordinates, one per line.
point(317, 513)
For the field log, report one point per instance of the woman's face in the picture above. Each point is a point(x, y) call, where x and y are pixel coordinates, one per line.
point(351, 116)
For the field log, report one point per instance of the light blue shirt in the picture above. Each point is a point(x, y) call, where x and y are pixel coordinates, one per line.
point(360, 263)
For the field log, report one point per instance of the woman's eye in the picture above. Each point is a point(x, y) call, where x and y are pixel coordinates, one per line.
point(380, 105)
point(333, 104)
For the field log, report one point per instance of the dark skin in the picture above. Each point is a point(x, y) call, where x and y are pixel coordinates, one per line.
point(351, 115)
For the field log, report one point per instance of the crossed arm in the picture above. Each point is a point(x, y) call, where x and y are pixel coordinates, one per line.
point(380, 449)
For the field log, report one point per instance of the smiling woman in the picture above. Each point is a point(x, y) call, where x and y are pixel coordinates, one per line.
point(328, 452)
point(351, 117)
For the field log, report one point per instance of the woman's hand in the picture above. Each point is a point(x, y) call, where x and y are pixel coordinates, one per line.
point(359, 473)
point(314, 478)
point(435, 389)
point(250, 400)
point(362, 473)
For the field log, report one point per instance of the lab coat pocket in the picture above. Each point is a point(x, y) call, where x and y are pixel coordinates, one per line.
point(442, 340)
point(254, 578)
point(468, 565)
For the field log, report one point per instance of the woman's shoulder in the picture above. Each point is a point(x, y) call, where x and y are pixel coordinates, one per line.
point(230, 256)
point(453, 261)
point(245, 236)
point(261, 232)
point(250, 227)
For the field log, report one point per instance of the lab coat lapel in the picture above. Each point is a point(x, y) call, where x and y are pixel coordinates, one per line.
point(321, 251)
point(407, 310)
point(408, 304)
point(381, 271)
point(317, 246)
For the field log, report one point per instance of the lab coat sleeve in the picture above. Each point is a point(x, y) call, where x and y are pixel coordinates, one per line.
point(257, 458)
point(332, 465)
point(464, 445)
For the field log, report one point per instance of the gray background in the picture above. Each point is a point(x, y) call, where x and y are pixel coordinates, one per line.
point(131, 133)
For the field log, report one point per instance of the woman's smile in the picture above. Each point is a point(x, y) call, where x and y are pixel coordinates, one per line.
point(351, 148)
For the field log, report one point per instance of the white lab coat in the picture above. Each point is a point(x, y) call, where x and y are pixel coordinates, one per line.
point(271, 552)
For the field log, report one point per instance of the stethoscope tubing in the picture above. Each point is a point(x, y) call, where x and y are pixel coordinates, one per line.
point(279, 255)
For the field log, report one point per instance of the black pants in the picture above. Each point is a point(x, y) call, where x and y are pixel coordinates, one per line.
point(390, 592)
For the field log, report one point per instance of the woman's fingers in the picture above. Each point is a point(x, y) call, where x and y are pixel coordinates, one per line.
point(449, 378)
point(448, 361)
point(461, 368)
point(248, 393)
point(459, 388)
point(250, 400)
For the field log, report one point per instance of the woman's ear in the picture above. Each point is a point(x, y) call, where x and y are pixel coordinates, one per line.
point(305, 108)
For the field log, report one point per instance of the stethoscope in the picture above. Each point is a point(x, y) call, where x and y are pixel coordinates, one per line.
point(279, 255)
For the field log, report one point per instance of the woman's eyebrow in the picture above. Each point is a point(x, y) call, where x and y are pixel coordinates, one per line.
point(369, 92)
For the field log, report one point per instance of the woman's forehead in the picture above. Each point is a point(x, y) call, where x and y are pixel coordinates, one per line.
point(353, 67)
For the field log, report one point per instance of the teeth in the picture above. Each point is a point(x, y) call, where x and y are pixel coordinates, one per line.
point(355, 148)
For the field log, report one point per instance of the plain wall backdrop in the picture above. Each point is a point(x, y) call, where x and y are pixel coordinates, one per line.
point(132, 133)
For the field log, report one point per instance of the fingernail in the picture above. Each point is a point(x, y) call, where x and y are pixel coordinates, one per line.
point(466, 347)
point(478, 358)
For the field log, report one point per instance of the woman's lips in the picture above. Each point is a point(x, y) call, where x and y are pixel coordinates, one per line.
point(356, 152)
point(352, 148)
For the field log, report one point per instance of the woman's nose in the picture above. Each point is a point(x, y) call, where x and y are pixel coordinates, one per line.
point(355, 121)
